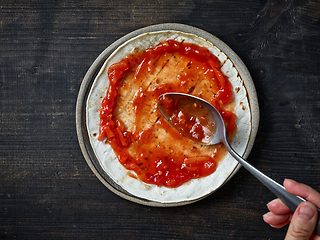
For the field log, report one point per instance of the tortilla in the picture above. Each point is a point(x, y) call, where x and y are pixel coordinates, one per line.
point(195, 188)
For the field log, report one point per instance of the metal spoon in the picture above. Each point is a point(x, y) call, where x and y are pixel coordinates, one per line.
point(220, 135)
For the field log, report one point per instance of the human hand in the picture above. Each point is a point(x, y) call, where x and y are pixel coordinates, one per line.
point(303, 221)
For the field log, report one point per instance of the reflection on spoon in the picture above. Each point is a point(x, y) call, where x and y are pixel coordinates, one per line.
point(200, 121)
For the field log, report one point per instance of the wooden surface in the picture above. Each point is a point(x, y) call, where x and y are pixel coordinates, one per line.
point(47, 190)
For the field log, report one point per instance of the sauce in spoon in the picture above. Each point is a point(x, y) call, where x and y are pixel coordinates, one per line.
point(188, 116)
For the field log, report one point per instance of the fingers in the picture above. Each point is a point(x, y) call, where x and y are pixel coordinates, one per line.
point(279, 215)
point(302, 190)
point(303, 222)
point(276, 206)
point(277, 221)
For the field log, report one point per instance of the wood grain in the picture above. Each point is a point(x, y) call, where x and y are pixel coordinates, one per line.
point(47, 191)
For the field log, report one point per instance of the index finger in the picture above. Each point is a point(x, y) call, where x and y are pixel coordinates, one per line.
point(302, 190)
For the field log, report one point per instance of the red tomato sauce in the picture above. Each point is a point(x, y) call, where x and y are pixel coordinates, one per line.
point(141, 150)
point(189, 117)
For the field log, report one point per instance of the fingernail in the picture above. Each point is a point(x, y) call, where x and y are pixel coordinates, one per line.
point(289, 180)
point(274, 201)
point(266, 216)
point(307, 211)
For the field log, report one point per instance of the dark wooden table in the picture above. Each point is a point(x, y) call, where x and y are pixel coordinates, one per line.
point(47, 190)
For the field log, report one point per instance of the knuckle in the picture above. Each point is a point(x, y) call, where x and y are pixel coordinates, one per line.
point(299, 233)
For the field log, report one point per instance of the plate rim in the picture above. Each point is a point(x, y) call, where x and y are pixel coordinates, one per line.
point(95, 68)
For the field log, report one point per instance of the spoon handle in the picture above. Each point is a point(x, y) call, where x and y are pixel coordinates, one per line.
point(292, 201)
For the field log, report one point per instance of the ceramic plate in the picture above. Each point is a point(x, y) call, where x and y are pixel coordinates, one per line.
point(88, 149)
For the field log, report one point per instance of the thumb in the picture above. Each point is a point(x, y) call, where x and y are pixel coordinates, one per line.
point(303, 222)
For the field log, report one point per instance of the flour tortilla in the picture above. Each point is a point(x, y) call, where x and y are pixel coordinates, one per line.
point(195, 188)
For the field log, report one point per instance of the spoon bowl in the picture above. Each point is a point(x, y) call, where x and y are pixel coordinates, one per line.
point(172, 107)
point(172, 104)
